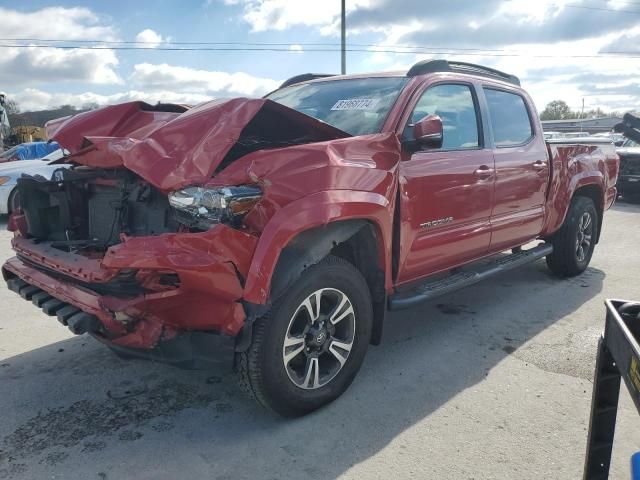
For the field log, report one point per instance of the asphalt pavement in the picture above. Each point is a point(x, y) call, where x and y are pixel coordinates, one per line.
point(492, 382)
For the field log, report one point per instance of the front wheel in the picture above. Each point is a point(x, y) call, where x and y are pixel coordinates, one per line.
point(574, 243)
point(306, 352)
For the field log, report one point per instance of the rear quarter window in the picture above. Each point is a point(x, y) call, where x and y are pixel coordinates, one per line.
point(509, 118)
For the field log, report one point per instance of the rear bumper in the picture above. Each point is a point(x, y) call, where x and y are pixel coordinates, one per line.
point(629, 184)
point(152, 319)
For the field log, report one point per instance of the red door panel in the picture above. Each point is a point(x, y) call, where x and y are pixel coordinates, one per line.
point(522, 176)
point(452, 191)
point(522, 170)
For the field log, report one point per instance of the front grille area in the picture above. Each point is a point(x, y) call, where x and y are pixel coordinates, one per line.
point(79, 322)
point(88, 210)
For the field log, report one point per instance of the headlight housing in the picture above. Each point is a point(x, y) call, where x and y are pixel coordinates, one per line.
point(208, 206)
point(4, 180)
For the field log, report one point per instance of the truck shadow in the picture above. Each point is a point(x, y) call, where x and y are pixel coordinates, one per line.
point(74, 408)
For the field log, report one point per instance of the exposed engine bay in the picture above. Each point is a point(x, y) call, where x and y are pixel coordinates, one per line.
point(85, 210)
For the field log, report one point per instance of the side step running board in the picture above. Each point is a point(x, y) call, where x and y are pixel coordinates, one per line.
point(459, 280)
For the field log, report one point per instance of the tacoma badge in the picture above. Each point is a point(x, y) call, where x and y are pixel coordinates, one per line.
point(436, 223)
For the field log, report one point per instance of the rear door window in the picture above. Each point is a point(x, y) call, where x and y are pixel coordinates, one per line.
point(509, 118)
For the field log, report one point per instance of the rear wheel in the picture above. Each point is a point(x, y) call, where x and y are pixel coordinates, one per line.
point(306, 352)
point(574, 243)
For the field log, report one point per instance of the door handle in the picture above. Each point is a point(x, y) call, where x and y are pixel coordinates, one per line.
point(539, 165)
point(483, 172)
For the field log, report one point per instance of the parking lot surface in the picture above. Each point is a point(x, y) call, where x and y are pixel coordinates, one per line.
point(492, 382)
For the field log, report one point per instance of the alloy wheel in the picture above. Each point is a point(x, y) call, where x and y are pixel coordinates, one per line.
point(319, 338)
point(584, 236)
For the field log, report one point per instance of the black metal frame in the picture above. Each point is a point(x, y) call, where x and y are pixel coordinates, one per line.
point(439, 66)
point(629, 127)
point(304, 77)
point(618, 357)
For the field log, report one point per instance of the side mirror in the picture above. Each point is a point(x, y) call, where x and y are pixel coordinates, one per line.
point(619, 143)
point(428, 132)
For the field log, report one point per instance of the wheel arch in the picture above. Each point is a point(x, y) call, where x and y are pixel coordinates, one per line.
point(596, 193)
point(356, 241)
point(588, 185)
point(359, 232)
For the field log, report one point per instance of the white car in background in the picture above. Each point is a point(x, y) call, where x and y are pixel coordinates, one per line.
point(11, 171)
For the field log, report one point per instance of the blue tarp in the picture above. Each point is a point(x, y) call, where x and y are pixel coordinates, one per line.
point(29, 151)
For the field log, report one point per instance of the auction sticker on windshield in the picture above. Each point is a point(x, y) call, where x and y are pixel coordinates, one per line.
point(356, 104)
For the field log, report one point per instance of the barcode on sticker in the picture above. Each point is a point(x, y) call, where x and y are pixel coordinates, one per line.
point(356, 104)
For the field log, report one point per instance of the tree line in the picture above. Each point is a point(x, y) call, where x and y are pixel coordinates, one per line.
point(559, 110)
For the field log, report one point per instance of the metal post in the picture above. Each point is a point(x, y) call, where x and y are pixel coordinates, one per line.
point(344, 40)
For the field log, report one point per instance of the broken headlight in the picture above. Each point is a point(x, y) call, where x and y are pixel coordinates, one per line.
point(206, 206)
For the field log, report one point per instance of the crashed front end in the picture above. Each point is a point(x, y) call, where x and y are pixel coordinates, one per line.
point(132, 244)
point(106, 253)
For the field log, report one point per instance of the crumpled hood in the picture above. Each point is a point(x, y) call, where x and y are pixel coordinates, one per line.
point(172, 148)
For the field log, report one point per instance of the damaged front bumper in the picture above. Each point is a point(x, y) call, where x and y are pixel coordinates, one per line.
point(168, 297)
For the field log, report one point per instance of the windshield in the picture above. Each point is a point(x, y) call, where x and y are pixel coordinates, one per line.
point(357, 106)
point(629, 143)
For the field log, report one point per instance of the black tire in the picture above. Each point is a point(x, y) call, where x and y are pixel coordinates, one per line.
point(262, 369)
point(566, 259)
point(14, 201)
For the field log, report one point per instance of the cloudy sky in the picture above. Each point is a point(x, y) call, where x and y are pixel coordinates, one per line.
point(561, 49)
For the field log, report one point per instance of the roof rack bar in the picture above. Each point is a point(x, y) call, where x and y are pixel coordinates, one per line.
point(305, 77)
point(438, 66)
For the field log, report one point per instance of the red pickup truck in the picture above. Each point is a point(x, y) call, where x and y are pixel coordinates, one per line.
point(273, 234)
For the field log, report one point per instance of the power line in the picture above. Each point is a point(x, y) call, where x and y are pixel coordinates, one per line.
point(257, 44)
point(602, 9)
point(413, 51)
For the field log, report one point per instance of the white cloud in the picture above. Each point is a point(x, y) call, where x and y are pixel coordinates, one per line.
point(35, 65)
point(166, 77)
point(155, 83)
point(265, 15)
point(296, 48)
point(29, 65)
point(32, 99)
point(149, 39)
point(54, 22)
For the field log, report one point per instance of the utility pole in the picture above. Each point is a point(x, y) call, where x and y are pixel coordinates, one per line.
point(344, 40)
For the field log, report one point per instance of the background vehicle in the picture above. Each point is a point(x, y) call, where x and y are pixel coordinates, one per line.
point(28, 151)
point(278, 231)
point(629, 178)
point(10, 172)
